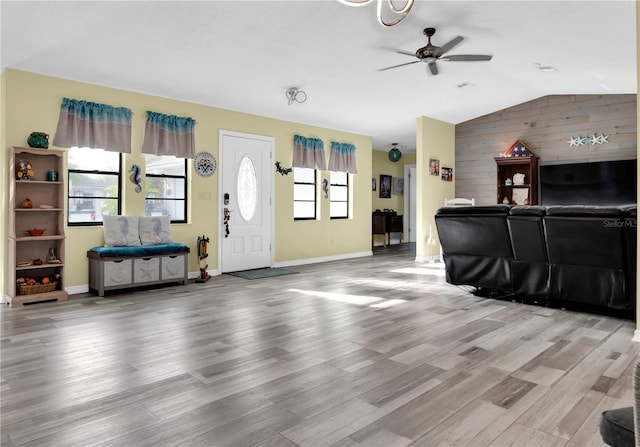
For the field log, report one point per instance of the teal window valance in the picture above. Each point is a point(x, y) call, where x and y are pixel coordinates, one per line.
point(308, 153)
point(169, 135)
point(343, 158)
point(93, 125)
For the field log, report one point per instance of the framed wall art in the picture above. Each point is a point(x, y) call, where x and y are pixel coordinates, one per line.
point(385, 186)
point(398, 186)
point(434, 166)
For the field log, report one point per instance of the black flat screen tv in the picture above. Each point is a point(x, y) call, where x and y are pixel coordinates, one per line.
point(596, 183)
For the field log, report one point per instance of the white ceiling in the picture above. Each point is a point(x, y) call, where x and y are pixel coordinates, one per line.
point(243, 55)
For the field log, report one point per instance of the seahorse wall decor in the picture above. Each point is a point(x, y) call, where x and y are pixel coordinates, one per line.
point(135, 177)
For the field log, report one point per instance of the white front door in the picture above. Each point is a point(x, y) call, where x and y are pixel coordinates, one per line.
point(246, 185)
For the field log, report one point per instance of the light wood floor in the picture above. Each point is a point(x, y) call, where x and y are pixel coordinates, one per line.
point(375, 351)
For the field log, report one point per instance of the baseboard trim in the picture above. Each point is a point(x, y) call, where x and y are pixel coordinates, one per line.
point(74, 290)
point(435, 258)
point(323, 259)
point(636, 336)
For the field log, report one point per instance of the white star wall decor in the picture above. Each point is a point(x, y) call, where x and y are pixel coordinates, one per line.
point(574, 141)
point(593, 140)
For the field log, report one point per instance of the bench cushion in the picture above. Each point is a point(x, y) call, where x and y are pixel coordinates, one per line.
point(137, 252)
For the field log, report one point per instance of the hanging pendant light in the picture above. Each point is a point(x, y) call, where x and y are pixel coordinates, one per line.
point(395, 154)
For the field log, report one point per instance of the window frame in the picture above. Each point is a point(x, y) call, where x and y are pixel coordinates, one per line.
point(346, 185)
point(118, 174)
point(165, 176)
point(315, 195)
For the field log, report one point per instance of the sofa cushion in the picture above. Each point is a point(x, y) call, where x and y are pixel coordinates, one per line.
point(466, 210)
point(616, 427)
point(585, 211)
point(532, 210)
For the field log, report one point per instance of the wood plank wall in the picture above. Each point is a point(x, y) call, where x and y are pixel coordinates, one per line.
point(545, 125)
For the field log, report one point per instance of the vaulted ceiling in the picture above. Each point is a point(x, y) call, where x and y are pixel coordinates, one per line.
point(244, 55)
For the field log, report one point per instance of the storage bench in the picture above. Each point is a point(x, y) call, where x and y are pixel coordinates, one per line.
point(112, 268)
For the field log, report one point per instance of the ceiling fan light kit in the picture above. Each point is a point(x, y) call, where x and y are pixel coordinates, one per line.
point(400, 12)
point(430, 53)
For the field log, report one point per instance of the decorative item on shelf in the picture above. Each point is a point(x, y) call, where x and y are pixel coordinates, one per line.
point(52, 175)
point(281, 170)
point(518, 149)
point(31, 286)
point(506, 200)
point(204, 164)
point(134, 176)
point(27, 203)
point(25, 170)
point(51, 257)
point(520, 196)
point(508, 182)
point(518, 179)
point(38, 140)
point(36, 231)
point(394, 153)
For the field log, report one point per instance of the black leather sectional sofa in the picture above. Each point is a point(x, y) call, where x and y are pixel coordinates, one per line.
point(572, 254)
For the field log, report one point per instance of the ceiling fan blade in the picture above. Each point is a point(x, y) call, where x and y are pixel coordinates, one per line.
point(433, 68)
point(399, 65)
point(467, 57)
point(448, 46)
point(406, 52)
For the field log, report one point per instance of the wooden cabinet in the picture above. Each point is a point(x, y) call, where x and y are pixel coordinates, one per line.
point(386, 222)
point(43, 185)
point(517, 176)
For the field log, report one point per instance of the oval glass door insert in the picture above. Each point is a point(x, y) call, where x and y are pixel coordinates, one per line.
point(247, 188)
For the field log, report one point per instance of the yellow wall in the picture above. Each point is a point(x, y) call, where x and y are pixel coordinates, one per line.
point(32, 103)
point(434, 139)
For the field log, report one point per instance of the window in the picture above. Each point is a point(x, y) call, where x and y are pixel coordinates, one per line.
point(304, 193)
point(166, 187)
point(339, 201)
point(94, 185)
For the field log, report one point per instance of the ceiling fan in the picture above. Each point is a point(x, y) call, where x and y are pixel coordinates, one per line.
point(431, 53)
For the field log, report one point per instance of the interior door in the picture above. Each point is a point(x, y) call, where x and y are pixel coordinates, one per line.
point(246, 217)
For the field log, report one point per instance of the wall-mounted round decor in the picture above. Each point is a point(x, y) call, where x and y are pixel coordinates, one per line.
point(204, 164)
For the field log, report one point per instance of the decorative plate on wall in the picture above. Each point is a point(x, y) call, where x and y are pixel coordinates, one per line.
point(204, 164)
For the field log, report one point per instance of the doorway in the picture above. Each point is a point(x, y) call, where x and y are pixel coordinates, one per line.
point(246, 206)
